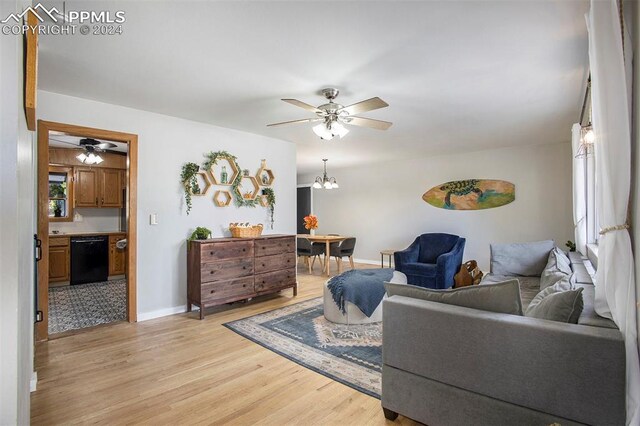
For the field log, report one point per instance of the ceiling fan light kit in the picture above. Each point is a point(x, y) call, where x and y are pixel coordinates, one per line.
point(334, 117)
point(89, 158)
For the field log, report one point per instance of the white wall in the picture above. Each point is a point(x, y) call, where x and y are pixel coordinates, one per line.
point(382, 204)
point(635, 150)
point(165, 144)
point(16, 233)
point(93, 220)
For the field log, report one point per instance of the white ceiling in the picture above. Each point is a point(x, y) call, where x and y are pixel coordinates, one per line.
point(457, 75)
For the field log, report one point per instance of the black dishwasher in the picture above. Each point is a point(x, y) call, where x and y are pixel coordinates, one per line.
point(89, 259)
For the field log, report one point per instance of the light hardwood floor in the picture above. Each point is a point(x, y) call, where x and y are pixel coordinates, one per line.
point(180, 370)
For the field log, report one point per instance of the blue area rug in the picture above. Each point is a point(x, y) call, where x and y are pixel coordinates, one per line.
point(349, 354)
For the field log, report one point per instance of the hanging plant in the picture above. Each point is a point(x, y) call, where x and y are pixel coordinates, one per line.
point(189, 181)
point(271, 202)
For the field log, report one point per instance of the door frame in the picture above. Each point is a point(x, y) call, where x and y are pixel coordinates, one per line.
point(44, 127)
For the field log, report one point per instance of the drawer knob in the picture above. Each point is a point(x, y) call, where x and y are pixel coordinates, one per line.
point(213, 291)
point(211, 272)
point(263, 265)
point(244, 267)
point(244, 249)
point(244, 285)
point(210, 253)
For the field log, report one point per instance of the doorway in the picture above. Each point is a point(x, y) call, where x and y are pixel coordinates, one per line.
point(87, 196)
point(304, 206)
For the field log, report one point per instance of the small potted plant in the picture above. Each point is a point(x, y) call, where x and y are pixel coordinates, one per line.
point(201, 233)
point(57, 208)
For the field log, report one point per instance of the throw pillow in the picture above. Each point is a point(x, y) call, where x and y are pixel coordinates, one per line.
point(562, 260)
point(501, 297)
point(557, 303)
point(523, 259)
point(558, 267)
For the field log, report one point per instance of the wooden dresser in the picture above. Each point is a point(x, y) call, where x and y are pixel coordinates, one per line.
point(223, 270)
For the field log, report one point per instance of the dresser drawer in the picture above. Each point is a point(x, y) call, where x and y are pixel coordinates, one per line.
point(273, 246)
point(227, 250)
point(275, 262)
point(226, 289)
point(227, 269)
point(278, 279)
point(58, 241)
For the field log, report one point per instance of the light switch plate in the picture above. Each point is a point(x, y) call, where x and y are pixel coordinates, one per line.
point(153, 219)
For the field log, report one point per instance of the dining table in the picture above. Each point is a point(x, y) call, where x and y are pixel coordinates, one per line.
point(326, 239)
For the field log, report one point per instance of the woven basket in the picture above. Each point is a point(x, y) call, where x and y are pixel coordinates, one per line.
point(245, 231)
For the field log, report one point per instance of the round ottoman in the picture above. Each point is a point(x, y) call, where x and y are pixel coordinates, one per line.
point(352, 314)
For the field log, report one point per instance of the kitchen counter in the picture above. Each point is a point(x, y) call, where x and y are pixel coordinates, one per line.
point(85, 234)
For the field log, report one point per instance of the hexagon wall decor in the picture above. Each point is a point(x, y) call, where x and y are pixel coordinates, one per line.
point(204, 183)
point(218, 171)
point(265, 175)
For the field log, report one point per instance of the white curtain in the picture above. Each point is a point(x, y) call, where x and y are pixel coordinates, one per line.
point(616, 292)
point(579, 193)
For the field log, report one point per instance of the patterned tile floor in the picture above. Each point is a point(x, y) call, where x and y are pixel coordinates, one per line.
point(73, 307)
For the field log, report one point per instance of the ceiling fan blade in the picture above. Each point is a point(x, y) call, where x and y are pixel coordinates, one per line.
point(305, 120)
point(368, 122)
point(65, 142)
point(105, 145)
point(364, 106)
point(302, 105)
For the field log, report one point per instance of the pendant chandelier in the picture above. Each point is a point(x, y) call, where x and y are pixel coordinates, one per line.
point(587, 139)
point(325, 181)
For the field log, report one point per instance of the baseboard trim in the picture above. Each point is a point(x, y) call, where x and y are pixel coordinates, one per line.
point(146, 316)
point(370, 262)
point(33, 383)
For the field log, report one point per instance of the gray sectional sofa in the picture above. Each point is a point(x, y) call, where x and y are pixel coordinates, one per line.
point(454, 365)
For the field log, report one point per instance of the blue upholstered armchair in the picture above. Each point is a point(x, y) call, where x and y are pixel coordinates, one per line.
point(431, 260)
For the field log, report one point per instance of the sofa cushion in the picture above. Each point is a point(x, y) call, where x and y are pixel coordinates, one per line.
point(520, 259)
point(501, 297)
point(558, 267)
point(423, 269)
point(589, 316)
point(557, 303)
point(562, 260)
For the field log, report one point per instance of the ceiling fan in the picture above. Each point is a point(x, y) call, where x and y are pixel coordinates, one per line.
point(91, 149)
point(334, 116)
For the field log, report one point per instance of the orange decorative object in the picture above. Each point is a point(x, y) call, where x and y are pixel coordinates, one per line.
point(311, 222)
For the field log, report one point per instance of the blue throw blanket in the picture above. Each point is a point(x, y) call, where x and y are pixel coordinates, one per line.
point(362, 287)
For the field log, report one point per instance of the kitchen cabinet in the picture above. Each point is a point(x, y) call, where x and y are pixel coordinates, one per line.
point(117, 257)
point(110, 188)
point(98, 187)
point(86, 187)
point(59, 259)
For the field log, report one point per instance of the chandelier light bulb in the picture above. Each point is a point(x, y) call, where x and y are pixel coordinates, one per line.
point(317, 185)
point(82, 157)
point(589, 136)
